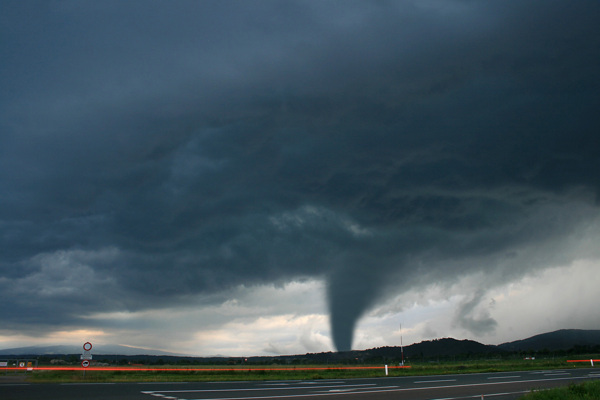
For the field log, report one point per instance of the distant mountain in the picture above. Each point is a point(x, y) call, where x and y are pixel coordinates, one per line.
point(99, 349)
point(428, 349)
point(563, 339)
point(448, 347)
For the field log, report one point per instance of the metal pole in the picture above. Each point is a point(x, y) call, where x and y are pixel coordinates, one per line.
point(401, 348)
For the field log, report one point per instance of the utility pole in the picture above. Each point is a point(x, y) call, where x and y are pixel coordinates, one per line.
point(401, 348)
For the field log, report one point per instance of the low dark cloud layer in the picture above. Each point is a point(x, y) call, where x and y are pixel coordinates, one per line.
point(155, 152)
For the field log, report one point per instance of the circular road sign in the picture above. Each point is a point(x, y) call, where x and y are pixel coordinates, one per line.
point(85, 363)
point(87, 346)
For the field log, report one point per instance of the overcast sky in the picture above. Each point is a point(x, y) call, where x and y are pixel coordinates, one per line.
point(279, 177)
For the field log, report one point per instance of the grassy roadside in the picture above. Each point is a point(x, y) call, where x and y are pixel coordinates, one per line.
point(303, 372)
point(196, 375)
point(582, 391)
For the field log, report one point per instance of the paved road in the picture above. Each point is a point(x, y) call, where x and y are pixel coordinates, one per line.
point(497, 386)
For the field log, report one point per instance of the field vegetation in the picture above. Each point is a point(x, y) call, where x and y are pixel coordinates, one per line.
point(187, 373)
point(582, 391)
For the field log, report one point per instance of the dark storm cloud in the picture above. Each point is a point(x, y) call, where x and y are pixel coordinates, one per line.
point(477, 323)
point(157, 152)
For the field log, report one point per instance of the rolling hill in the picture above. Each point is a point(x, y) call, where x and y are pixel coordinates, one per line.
point(561, 340)
point(96, 350)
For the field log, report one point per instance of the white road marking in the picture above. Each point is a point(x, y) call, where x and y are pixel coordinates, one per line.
point(267, 388)
point(284, 383)
point(545, 372)
point(356, 389)
point(366, 390)
point(487, 395)
point(439, 380)
point(504, 377)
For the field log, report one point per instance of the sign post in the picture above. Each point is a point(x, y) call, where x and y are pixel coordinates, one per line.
point(86, 356)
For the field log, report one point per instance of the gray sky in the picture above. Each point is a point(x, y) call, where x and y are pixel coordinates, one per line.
point(233, 177)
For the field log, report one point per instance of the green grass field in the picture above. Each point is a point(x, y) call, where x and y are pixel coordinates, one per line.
point(583, 391)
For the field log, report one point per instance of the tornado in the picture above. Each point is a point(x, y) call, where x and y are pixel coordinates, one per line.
point(350, 294)
point(343, 321)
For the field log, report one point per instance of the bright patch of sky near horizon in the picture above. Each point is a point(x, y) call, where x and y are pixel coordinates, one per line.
point(255, 328)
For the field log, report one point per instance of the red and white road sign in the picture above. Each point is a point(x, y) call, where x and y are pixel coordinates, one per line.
point(85, 363)
point(87, 346)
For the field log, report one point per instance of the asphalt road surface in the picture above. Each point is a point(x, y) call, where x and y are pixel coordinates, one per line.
point(497, 386)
